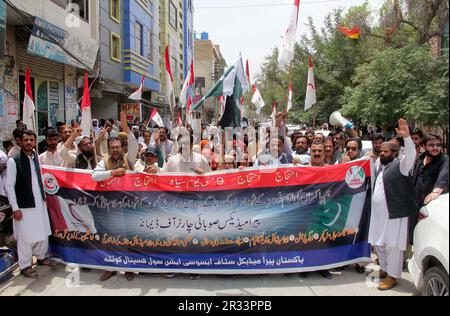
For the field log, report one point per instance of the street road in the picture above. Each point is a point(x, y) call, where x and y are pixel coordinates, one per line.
point(347, 282)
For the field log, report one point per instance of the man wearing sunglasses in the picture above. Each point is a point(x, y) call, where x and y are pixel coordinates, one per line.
point(431, 171)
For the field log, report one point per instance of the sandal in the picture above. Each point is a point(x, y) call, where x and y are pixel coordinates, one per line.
point(29, 273)
point(46, 262)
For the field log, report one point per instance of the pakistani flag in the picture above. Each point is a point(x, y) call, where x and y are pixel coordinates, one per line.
point(232, 84)
point(338, 214)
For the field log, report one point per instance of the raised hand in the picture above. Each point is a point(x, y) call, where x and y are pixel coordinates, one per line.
point(124, 123)
point(403, 128)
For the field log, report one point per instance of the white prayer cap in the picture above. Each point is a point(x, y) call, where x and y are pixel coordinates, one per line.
point(79, 139)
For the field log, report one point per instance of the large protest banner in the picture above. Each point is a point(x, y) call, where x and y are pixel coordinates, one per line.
point(290, 219)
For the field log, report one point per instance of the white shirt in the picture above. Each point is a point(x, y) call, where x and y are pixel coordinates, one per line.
point(16, 149)
point(35, 223)
point(51, 159)
point(179, 163)
point(3, 160)
point(165, 147)
point(383, 230)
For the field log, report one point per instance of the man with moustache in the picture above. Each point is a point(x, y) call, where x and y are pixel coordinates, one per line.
point(85, 157)
point(318, 160)
point(17, 135)
point(301, 145)
point(392, 205)
point(430, 177)
point(51, 156)
point(27, 198)
point(417, 137)
point(431, 171)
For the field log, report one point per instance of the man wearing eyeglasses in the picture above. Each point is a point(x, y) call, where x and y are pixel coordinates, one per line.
point(431, 171)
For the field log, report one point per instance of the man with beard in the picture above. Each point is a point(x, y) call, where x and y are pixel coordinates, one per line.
point(17, 135)
point(431, 171)
point(392, 205)
point(162, 143)
point(85, 157)
point(116, 164)
point(377, 142)
point(301, 145)
point(66, 132)
point(417, 137)
point(275, 155)
point(51, 156)
point(27, 198)
point(430, 177)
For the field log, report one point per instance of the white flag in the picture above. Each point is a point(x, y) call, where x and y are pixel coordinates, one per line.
point(289, 105)
point(188, 84)
point(310, 99)
point(274, 113)
point(155, 117)
point(28, 103)
point(286, 49)
point(137, 95)
point(257, 100)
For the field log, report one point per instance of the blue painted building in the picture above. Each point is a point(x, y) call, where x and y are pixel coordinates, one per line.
point(141, 43)
point(129, 35)
point(188, 36)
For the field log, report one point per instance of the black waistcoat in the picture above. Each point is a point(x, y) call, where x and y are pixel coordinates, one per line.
point(23, 187)
point(399, 192)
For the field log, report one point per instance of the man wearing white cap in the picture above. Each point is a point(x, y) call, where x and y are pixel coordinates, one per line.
point(85, 157)
point(392, 204)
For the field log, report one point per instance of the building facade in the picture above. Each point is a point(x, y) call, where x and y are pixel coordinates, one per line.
point(209, 66)
point(58, 40)
point(129, 33)
point(188, 34)
point(172, 34)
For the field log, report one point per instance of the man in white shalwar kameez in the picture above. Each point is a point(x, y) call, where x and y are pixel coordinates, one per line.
point(26, 195)
point(388, 224)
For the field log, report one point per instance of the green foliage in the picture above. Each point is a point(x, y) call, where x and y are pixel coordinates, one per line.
point(406, 82)
point(387, 74)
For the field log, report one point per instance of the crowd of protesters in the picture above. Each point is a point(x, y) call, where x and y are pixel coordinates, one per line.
point(115, 147)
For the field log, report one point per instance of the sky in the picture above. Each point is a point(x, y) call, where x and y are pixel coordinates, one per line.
point(255, 27)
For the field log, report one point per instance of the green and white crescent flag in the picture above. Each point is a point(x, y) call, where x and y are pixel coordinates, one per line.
point(232, 83)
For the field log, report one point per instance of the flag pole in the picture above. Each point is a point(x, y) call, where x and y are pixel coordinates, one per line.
point(172, 108)
point(314, 116)
point(95, 146)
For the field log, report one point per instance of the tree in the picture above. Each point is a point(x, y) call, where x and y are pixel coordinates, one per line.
point(406, 82)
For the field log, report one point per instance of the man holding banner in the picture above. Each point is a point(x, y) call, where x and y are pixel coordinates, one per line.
point(115, 165)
